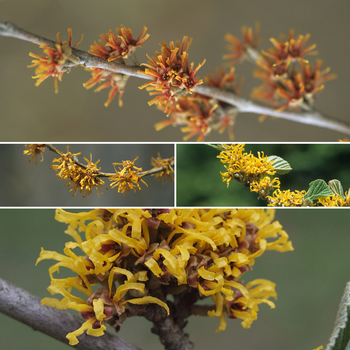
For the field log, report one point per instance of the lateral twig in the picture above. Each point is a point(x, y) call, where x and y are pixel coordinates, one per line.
point(26, 308)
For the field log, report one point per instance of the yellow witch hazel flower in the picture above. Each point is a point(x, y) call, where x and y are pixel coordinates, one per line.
point(158, 263)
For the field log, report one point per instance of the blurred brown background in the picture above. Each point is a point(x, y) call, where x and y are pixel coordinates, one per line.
point(76, 114)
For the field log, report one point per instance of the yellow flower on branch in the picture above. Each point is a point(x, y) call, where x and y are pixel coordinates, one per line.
point(243, 167)
point(286, 198)
point(142, 257)
point(34, 150)
point(128, 177)
point(167, 169)
point(83, 178)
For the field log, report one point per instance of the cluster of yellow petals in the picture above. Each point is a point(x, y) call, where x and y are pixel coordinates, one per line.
point(128, 177)
point(34, 150)
point(244, 167)
point(286, 198)
point(335, 200)
point(79, 177)
point(206, 251)
point(167, 169)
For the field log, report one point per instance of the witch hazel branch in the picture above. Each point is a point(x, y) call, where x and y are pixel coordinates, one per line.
point(290, 82)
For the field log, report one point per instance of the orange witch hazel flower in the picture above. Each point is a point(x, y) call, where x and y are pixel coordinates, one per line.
point(115, 81)
point(243, 49)
point(126, 44)
point(290, 49)
point(200, 114)
point(111, 48)
point(57, 61)
point(171, 73)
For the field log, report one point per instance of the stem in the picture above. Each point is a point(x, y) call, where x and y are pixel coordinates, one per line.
point(242, 105)
point(26, 308)
point(102, 174)
point(170, 333)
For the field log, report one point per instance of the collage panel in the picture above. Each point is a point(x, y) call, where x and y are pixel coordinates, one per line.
point(298, 90)
point(89, 175)
point(253, 175)
point(143, 206)
point(308, 280)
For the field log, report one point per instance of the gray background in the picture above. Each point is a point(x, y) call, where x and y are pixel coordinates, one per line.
point(28, 184)
point(76, 114)
point(309, 282)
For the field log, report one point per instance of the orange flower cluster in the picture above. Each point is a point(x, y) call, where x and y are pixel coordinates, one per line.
point(290, 81)
point(112, 48)
point(243, 49)
point(201, 114)
point(57, 61)
point(171, 73)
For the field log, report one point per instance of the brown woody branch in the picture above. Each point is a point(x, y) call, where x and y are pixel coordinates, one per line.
point(26, 308)
point(242, 105)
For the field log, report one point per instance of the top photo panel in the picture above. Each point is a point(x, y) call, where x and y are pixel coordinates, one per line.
point(248, 71)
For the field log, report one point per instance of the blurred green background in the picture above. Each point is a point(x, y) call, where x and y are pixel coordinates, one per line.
point(310, 282)
point(30, 184)
point(199, 182)
point(76, 114)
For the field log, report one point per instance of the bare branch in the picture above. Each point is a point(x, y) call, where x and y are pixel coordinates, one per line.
point(242, 105)
point(26, 308)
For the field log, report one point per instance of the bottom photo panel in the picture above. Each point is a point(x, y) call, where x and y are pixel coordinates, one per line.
point(198, 278)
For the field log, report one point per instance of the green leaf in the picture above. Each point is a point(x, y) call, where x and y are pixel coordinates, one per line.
point(340, 338)
point(280, 165)
point(318, 189)
point(336, 187)
point(219, 147)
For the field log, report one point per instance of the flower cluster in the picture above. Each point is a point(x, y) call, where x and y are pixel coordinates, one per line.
point(57, 61)
point(166, 167)
point(335, 200)
point(171, 73)
point(286, 198)
point(290, 81)
point(151, 257)
point(128, 177)
point(115, 81)
point(246, 168)
point(257, 173)
point(34, 150)
point(200, 114)
point(112, 48)
point(83, 178)
point(245, 49)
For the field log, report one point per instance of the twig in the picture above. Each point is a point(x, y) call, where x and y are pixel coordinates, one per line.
point(170, 333)
point(153, 171)
point(242, 105)
point(26, 308)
